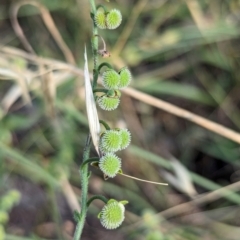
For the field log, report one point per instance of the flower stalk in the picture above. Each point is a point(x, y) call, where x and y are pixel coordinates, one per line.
point(111, 140)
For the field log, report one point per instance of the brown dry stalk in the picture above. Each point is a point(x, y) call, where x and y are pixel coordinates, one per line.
point(143, 97)
point(197, 14)
point(187, 206)
point(48, 82)
point(48, 21)
point(200, 200)
point(168, 107)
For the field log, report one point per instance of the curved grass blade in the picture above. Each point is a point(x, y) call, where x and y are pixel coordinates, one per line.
point(93, 120)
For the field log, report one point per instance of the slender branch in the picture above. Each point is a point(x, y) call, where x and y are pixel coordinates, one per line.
point(93, 6)
point(105, 124)
point(104, 64)
point(168, 107)
point(102, 6)
point(100, 197)
point(48, 21)
point(103, 90)
point(94, 46)
point(90, 160)
point(84, 196)
point(142, 180)
point(58, 65)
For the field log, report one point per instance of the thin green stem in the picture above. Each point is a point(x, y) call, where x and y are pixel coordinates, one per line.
point(99, 197)
point(94, 46)
point(93, 6)
point(90, 160)
point(105, 124)
point(103, 90)
point(84, 168)
point(104, 64)
point(103, 7)
point(95, 78)
point(84, 195)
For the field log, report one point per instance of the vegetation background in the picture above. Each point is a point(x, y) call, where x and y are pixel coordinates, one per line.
point(185, 52)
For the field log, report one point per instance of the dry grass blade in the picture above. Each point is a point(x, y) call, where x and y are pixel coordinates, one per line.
point(205, 123)
point(8, 74)
point(181, 180)
point(49, 24)
point(168, 107)
point(93, 120)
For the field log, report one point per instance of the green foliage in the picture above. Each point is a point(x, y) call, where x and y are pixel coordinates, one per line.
point(172, 58)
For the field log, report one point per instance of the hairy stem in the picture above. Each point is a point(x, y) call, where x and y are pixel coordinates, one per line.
point(84, 168)
point(94, 46)
point(84, 196)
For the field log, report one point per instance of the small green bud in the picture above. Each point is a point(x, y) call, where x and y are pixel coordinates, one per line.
point(100, 19)
point(113, 19)
point(125, 77)
point(112, 214)
point(126, 138)
point(111, 79)
point(110, 164)
point(110, 141)
point(108, 103)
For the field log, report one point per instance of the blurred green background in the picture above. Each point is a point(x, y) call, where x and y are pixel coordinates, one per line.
point(185, 52)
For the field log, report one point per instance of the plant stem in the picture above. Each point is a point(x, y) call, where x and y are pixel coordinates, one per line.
point(94, 46)
point(103, 90)
point(90, 160)
point(84, 195)
point(104, 64)
point(105, 124)
point(99, 197)
point(84, 169)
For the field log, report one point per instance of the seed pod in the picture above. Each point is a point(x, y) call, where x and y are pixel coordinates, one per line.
point(110, 79)
point(100, 19)
point(110, 141)
point(112, 214)
point(110, 164)
point(108, 103)
point(126, 138)
point(113, 19)
point(125, 77)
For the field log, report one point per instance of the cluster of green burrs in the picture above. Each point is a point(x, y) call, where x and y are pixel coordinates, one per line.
point(108, 98)
point(107, 19)
point(111, 141)
point(112, 81)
